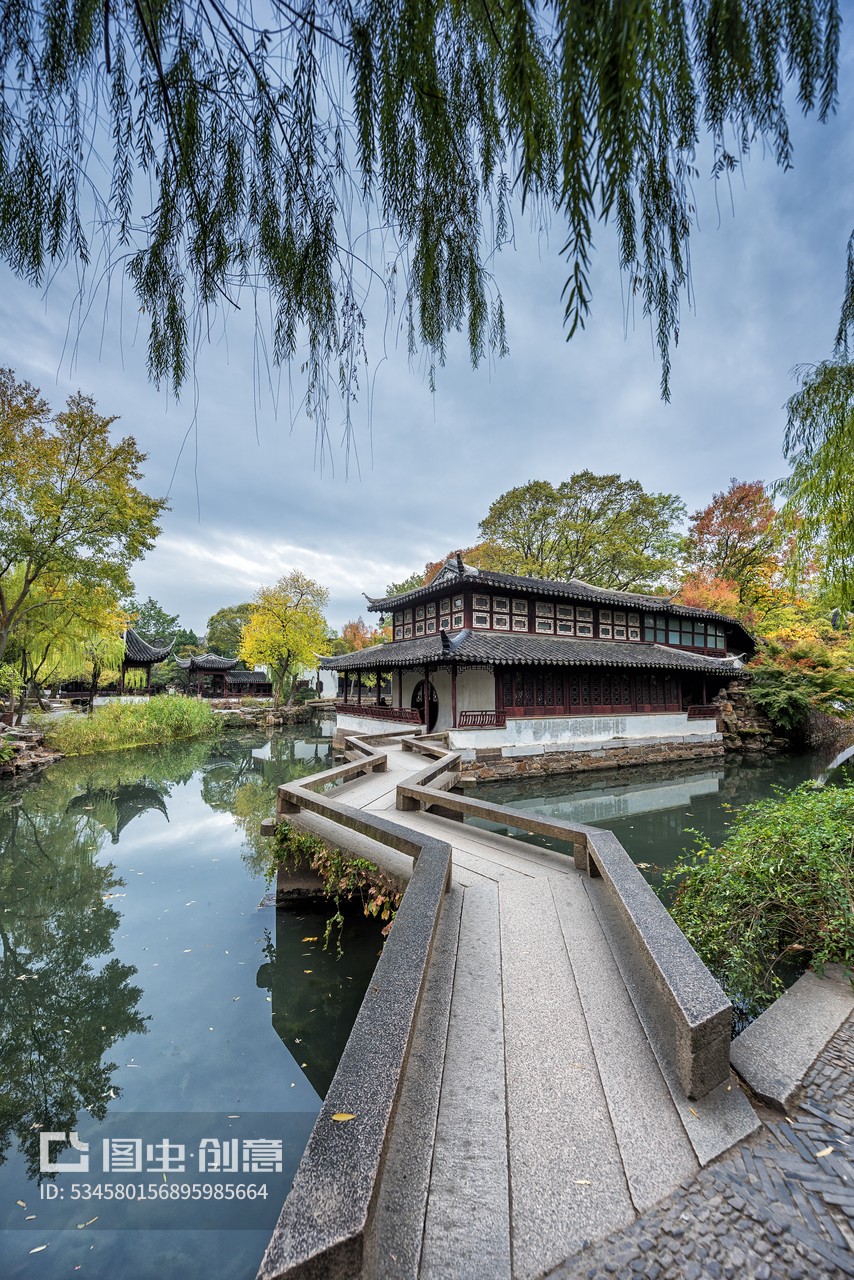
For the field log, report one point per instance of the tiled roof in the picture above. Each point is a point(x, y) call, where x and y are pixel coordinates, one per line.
point(139, 650)
point(247, 677)
point(572, 588)
point(206, 662)
point(520, 650)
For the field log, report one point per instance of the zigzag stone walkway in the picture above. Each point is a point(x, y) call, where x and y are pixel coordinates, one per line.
point(534, 1115)
point(772, 1209)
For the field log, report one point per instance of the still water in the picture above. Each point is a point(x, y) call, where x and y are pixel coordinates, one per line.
point(659, 811)
point(154, 1002)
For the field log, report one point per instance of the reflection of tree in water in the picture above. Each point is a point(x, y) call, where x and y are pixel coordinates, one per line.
point(115, 807)
point(236, 780)
point(61, 1012)
point(313, 1017)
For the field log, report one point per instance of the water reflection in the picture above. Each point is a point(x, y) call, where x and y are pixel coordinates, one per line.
point(130, 889)
point(657, 811)
point(62, 1013)
point(313, 1017)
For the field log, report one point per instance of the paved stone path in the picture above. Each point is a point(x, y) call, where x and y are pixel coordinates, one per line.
point(534, 1115)
point(778, 1207)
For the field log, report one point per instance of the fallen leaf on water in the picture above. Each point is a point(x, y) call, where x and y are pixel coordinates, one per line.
point(22, 1203)
point(825, 1151)
point(308, 971)
point(31, 1217)
point(309, 939)
point(38, 1248)
point(187, 950)
point(643, 866)
point(341, 1116)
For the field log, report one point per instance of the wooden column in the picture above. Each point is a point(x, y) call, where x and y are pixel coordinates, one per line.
point(400, 686)
point(359, 689)
point(453, 695)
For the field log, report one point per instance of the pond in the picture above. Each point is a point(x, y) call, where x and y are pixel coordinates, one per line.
point(657, 811)
point(155, 1003)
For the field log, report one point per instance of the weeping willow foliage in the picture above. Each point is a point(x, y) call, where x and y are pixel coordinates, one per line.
point(819, 445)
point(306, 152)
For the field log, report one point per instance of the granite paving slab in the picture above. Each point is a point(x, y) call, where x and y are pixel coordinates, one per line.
point(656, 1152)
point(467, 1227)
point(567, 1179)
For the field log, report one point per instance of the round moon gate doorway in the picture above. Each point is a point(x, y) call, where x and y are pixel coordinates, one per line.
point(432, 704)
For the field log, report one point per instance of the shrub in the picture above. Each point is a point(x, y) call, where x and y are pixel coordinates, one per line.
point(131, 724)
point(344, 878)
point(781, 888)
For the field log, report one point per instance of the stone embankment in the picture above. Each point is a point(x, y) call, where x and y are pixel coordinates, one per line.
point(490, 764)
point(29, 750)
point(261, 716)
point(745, 727)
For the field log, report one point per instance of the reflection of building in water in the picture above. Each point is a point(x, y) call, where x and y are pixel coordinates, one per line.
point(599, 804)
point(115, 807)
point(315, 993)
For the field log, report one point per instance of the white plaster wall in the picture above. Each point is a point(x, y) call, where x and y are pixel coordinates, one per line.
point(475, 691)
point(577, 731)
point(367, 724)
point(441, 682)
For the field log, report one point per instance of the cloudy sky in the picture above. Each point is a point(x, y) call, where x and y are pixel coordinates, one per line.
point(250, 501)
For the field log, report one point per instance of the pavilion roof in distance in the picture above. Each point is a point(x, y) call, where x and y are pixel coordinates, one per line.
point(140, 651)
point(206, 662)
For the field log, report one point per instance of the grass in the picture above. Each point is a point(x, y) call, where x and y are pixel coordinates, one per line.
point(117, 725)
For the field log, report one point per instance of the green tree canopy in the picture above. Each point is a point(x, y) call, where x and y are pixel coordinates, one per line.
point(211, 149)
point(69, 505)
point(286, 629)
point(153, 623)
point(225, 628)
point(602, 529)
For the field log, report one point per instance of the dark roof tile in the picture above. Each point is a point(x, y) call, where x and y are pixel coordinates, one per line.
point(520, 650)
point(139, 650)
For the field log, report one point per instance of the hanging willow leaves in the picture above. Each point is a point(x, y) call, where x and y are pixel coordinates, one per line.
point(313, 150)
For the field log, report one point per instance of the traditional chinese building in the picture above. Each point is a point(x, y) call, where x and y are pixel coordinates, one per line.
point(216, 677)
point(501, 660)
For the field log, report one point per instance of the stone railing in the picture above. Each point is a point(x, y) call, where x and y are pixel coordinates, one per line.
point(322, 1227)
point(406, 715)
point(481, 720)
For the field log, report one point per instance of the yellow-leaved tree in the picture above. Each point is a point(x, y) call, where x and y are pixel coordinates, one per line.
point(286, 630)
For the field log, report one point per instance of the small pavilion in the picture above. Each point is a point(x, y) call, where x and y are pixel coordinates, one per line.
point(141, 656)
point(210, 672)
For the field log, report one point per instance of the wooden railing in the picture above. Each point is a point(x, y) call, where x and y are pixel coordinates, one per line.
point(481, 720)
point(408, 715)
point(704, 711)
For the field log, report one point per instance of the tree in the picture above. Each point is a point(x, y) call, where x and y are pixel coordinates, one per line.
point(69, 507)
point(358, 635)
point(602, 529)
point(819, 445)
point(286, 630)
point(225, 628)
point(153, 623)
point(255, 140)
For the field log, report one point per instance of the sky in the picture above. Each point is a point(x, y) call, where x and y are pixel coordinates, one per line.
point(249, 500)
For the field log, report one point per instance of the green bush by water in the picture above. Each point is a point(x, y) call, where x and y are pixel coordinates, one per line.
point(131, 724)
point(780, 890)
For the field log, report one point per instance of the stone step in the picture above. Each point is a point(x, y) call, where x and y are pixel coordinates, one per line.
point(724, 1116)
point(467, 1227)
point(775, 1052)
point(567, 1180)
point(654, 1146)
